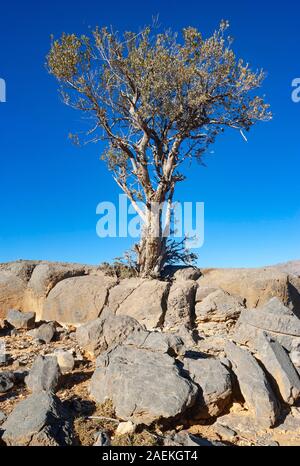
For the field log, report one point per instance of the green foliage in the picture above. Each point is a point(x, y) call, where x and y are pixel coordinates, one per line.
point(148, 92)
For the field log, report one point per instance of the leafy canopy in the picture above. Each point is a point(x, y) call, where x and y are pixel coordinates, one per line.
point(156, 98)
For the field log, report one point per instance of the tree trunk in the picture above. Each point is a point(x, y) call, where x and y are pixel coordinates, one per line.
point(151, 250)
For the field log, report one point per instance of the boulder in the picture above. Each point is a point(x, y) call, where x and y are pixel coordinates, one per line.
point(273, 318)
point(45, 332)
point(39, 420)
point(215, 386)
point(217, 313)
point(185, 439)
point(278, 364)
point(257, 286)
point(65, 361)
point(180, 305)
point(24, 320)
point(254, 385)
point(156, 341)
point(203, 292)
point(187, 273)
point(245, 334)
point(121, 291)
point(144, 386)
point(22, 268)
point(276, 306)
point(98, 335)
point(77, 300)
point(7, 381)
point(147, 303)
point(44, 277)
point(181, 272)
point(44, 375)
point(271, 322)
point(12, 290)
point(212, 345)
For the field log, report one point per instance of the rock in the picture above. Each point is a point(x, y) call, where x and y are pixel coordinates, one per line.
point(147, 303)
point(22, 268)
point(185, 439)
point(2, 417)
point(43, 279)
point(7, 381)
point(278, 364)
point(17, 319)
point(225, 433)
point(180, 272)
point(217, 313)
point(242, 423)
point(254, 386)
point(291, 267)
point(121, 291)
point(295, 358)
point(277, 320)
point(190, 337)
point(245, 334)
point(125, 428)
point(187, 273)
point(203, 292)
point(215, 387)
point(44, 375)
point(213, 345)
point(65, 361)
point(45, 332)
point(102, 439)
point(156, 341)
point(257, 286)
point(77, 300)
point(180, 305)
point(144, 386)
point(12, 290)
point(39, 420)
point(277, 307)
point(272, 322)
point(98, 335)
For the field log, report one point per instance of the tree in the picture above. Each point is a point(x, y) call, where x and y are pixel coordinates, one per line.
point(157, 99)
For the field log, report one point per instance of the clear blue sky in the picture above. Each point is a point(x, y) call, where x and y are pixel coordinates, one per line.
point(49, 188)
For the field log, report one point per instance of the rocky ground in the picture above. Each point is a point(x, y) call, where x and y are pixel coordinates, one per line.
point(198, 358)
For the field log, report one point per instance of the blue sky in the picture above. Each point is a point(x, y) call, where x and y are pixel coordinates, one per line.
point(49, 189)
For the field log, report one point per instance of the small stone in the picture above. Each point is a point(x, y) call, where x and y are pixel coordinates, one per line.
point(44, 375)
point(65, 361)
point(45, 332)
point(125, 428)
point(7, 381)
point(19, 319)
